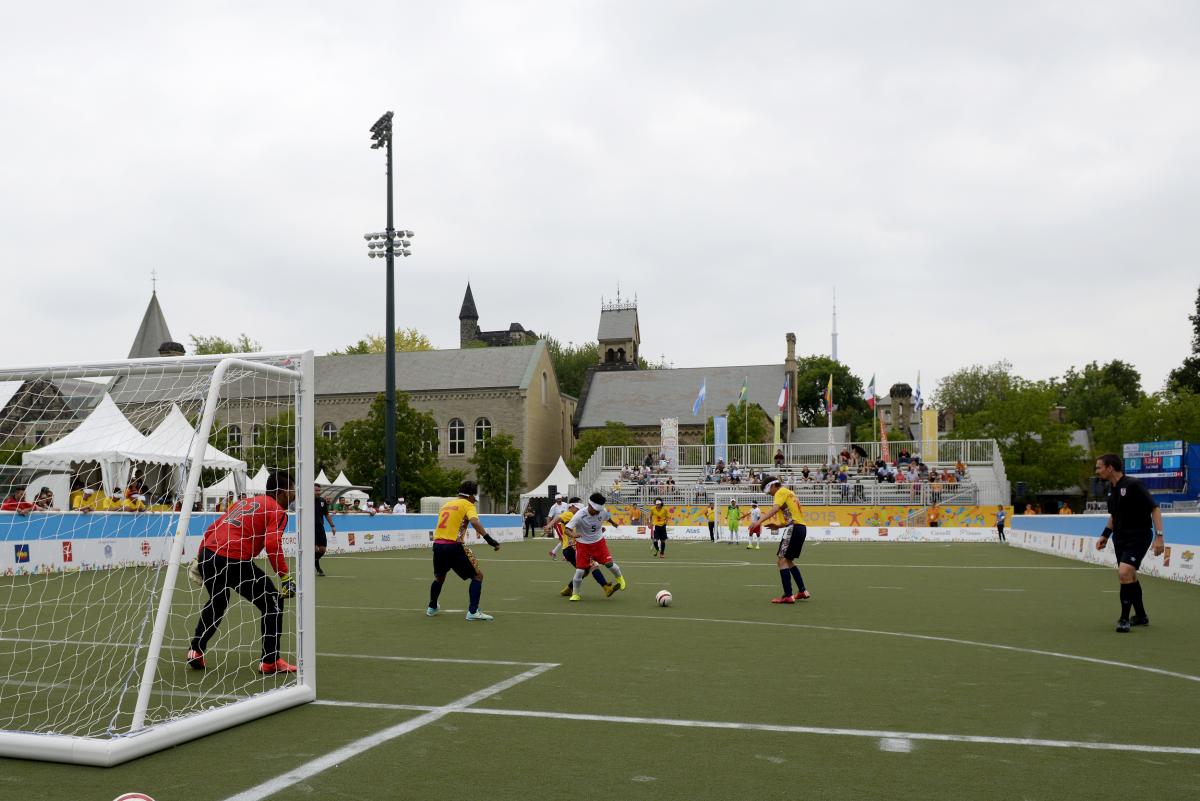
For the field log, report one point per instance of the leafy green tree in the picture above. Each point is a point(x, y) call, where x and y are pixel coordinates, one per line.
point(750, 428)
point(407, 339)
point(1155, 418)
point(812, 379)
point(1036, 447)
point(1094, 392)
point(613, 433)
point(571, 363)
point(361, 444)
point(11, 450)
point(499, 459)
point(275, 445)
point(968, 390)
point(1187, 375)
point(207, 345)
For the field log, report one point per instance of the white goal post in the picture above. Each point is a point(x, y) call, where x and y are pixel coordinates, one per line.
point(108, 472)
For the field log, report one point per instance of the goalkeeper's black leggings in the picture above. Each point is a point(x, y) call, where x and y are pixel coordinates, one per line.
point(243, 576)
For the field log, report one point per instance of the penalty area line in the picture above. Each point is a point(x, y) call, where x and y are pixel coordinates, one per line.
point(1028, 742)
point(333, 758)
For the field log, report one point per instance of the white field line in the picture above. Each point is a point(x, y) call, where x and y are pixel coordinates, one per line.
point(812, 627)
point(783, 729)
point(42, 685)
point(319, 653)
point(333, 758)
point(743, 563)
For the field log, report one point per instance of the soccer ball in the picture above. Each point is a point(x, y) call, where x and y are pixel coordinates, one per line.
point(663, 598)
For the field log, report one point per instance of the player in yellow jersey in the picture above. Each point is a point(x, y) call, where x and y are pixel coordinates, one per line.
point(710, 517)
point(658, 519)
point(793, 532)
point(450, 553)
point(558, 524)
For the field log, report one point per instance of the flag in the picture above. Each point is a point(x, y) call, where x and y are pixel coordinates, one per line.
point(783, 393)
point(869, 394)
point(829, 396)
point(918, 404)
point(745, 389)
point(699, 399)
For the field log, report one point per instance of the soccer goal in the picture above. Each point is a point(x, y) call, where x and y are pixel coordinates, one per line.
point(112, 473)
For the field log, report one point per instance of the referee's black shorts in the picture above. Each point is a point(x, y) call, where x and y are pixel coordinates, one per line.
point(660, 532)
point(454, 556)
point(793, 541)
point(319, 538)
point(1131, 548)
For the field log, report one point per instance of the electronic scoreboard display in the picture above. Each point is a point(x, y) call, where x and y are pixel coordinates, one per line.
point(1158, 465)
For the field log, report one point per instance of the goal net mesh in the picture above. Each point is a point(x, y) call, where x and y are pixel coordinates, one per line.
point(96, 465)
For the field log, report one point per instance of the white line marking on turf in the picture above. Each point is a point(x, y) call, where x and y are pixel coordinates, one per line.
point(899, 745)
point(322, 763)
point(1001, 589)
point(894, 738)
point(440, 659)
point(846, 629)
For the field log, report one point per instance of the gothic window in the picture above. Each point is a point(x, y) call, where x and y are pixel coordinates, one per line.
point(329, 431)
point(483, 430)
point(458, 437)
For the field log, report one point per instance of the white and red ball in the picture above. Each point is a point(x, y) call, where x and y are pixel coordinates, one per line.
point(663, 598)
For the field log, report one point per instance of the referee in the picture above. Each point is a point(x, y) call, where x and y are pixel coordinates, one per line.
point(1135, 526)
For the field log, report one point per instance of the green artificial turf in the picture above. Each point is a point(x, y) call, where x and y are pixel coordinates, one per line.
point(896, 639)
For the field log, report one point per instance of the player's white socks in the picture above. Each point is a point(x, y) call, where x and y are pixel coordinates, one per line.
point(577, 581)
point(557, 546)
point(614, 569)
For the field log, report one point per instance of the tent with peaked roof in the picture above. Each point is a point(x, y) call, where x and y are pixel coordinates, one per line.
point(104, 437)
point(352, 494)
point(560, 477)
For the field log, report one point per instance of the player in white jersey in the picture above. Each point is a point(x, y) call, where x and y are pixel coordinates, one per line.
point(755, 535)
point(586, 528)
point(560, 506)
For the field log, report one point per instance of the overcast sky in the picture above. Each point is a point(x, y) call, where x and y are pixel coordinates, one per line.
point(980, 181)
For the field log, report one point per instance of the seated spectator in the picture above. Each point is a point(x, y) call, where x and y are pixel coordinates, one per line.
point(383, 508)
point(116, 501)
point(17, 503)
point(1063, 509)
point(134, 503)
point(648, 462)
point(778, 459)
point(720, 467)
point(85, 500)
point(960, 468)
point(662, 463)
point(805, 475)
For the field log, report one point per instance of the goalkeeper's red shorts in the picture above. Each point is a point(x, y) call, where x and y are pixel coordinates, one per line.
point(585, 552)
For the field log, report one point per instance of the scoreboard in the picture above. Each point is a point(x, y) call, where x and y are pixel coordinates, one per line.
point(1158, 465)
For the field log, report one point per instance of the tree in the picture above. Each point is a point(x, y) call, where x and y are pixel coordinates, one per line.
point(968, 390)
point(275, 445)
point(206, 345)
point(613, 433)
point(1036, 447)
point(571, 363)
point(407, 339)
point(498, 467)
point(361, 444)
point(1155, 418)
point(1095, 392)
point(749, 428)
point(1187, 376)
point(812, 379)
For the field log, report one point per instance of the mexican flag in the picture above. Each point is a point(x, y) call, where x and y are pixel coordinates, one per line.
point(869, 394)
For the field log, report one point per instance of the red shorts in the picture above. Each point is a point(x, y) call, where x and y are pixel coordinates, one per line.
point(585, 552)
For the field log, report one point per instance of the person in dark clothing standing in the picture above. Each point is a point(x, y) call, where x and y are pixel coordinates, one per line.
point(320, 516)
point(1135, 526)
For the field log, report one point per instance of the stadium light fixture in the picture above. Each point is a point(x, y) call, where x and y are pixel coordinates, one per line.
point(388, 244)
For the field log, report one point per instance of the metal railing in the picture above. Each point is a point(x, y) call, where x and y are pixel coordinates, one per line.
point(854, 493)
point(796, 455)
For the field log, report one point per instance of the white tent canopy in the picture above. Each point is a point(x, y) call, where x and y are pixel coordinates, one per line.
point(560, 477)
point(106, 437)
point(354, 494)
point(322, 478)
point(175, 435)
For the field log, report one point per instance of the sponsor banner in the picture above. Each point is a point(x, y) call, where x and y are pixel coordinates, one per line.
point(1177, 562)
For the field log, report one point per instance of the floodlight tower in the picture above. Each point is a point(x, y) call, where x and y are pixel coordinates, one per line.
point(388, 244)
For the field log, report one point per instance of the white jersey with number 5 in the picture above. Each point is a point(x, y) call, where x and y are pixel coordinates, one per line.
point(588, 525)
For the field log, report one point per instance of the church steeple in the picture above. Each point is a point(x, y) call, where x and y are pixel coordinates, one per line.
point(152, 333)
point(468, 319)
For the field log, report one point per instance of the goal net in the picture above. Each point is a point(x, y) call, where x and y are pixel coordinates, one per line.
point(111, 475)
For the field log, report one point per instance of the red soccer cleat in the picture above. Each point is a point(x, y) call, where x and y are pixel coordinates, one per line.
point(783, 599)
point(195, 660)
point(278, 666)
point(803, 595)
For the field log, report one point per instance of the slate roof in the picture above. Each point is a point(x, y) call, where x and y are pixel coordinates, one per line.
point(643, 397)
point(468, 312)
point(152, 332)
point(618, 324)
point(430, 370)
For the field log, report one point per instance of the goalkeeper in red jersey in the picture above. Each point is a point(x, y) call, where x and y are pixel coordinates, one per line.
point(226, 562)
